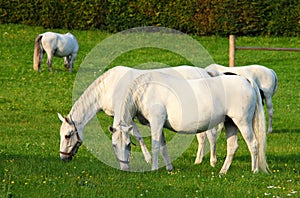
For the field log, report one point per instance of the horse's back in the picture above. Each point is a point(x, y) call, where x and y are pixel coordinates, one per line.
point(190, 104)
point(264, 77)
point(62, 44)
point(67, 44)
point(116, 81)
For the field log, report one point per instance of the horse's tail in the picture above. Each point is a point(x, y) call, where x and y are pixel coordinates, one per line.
point(37, 53)
point(259, 127)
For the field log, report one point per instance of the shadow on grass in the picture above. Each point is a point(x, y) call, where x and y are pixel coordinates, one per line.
point(286, 131)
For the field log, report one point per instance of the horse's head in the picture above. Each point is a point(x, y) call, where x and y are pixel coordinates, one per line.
point(121, 144)
point(69, 138)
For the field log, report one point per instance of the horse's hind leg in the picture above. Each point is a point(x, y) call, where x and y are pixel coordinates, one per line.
point(49, 61)
point(270, 112)
point(249, 137)
point(40, 59)
point(232, 144)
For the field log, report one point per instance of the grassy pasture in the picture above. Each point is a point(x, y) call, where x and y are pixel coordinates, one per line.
point(29, 128)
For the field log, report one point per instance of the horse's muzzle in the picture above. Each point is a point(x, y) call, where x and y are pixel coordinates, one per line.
point(66, 158)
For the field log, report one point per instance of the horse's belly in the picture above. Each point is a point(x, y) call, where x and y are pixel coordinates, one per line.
point(190, 126)
point(60, 53)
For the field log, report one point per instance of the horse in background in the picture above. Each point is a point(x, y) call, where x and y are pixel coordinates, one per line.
point(267, 82)
point(265, 78)
point(55, 44)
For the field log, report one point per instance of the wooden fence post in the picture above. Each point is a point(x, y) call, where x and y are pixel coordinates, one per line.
point(231, 50)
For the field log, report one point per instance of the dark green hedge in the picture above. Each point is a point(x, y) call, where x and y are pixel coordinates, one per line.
point(201, 17)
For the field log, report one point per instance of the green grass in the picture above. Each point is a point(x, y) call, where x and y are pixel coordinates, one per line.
point(29, 128)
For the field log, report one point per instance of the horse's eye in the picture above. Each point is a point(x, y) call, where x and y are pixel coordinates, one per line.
point(128, 147)
point(69, 136)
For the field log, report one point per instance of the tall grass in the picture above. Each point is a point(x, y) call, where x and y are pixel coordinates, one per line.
point(29, 128)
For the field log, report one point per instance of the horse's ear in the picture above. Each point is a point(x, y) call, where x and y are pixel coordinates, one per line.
point(69, 121)
point(210, 73)
point(130, 128)
point(111, 129)
point(61, 117)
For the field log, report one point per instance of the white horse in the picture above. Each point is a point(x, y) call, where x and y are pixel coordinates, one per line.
point(267, 82)
point(192, 106)
point(265, 78)
point(105, 94)
point(55, 44)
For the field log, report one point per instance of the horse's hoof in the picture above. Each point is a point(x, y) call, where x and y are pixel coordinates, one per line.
point(169, 168)
point(148, 159)
point(222, 172)
point(213, 164)
point(198, 161)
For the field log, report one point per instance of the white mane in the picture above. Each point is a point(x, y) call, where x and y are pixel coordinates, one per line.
point(89, 103)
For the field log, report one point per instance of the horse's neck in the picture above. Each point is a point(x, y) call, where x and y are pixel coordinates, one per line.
point(131, 105)
point(88, 104)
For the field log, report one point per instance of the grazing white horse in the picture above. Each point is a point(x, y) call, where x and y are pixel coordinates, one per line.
point(105, 94)
point(55, 44)
point(192, 106)
point(267, 82)
point(265, 78)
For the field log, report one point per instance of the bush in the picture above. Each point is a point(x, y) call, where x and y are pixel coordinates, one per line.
point(202, 17)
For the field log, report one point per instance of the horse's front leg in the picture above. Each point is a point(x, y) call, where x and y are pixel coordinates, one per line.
point(138, 137)
point(201, 137)
point(66, 62)
point(165, 153)
point(155, 148)
point(71, 62)
point(212, 137)
point(156, 119)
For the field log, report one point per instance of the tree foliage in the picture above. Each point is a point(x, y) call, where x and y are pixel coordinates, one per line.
point(201, 17)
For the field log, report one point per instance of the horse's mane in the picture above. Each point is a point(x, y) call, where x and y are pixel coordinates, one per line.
point(87, 105)
point(129, 107)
